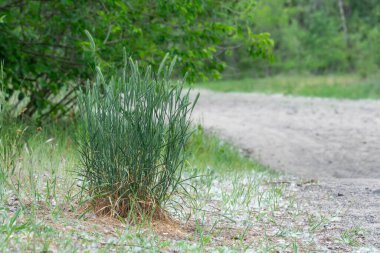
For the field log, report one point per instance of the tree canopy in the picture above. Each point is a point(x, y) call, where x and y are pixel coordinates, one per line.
point(46, 53)
point(318, 37)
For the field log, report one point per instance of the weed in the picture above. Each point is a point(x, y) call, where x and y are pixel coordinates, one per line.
point(295, 247)
point(10, 149)
point(12, 226)
point(352, 236)
point(316, 222)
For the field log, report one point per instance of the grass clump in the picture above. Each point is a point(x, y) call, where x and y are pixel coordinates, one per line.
point(134, 130)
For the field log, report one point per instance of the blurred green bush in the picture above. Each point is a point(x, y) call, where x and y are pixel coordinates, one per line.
point(47, 56)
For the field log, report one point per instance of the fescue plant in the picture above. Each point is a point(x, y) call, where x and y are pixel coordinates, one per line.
point(134, 128)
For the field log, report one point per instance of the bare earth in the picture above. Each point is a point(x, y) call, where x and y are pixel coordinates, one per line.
point(336, 142)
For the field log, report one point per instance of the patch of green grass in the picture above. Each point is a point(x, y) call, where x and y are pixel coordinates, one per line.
point(352, 237)
point(33, 158)
point(331, 86)
point(206, 150)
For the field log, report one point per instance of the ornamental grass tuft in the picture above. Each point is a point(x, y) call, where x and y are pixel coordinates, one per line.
point(133, 131)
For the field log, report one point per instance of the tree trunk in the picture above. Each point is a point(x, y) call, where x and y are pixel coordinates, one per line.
point(344, 21)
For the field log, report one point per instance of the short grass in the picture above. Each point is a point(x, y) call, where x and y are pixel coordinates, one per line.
point(206, 150)
point(330, 86)
point(232, 204)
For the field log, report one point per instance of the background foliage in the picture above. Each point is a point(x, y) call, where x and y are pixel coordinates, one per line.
point(46, 52)
point(317, 37)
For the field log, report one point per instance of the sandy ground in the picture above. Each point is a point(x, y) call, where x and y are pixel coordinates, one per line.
point(334, 141)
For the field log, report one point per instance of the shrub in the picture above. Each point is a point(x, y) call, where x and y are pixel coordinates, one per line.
point(46, 51)
point(134, 128)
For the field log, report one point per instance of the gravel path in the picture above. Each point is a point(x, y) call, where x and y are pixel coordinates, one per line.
point(334, 141)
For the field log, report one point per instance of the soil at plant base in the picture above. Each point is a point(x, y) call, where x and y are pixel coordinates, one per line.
point(336, 142)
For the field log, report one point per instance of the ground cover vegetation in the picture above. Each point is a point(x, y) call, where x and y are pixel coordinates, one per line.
point(229, 204)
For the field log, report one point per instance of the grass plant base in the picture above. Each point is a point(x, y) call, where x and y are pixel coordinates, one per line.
point(131, 211)
point(145, 216)
point(133, 132)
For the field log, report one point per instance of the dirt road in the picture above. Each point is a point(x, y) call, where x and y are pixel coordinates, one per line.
point(334, 141)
